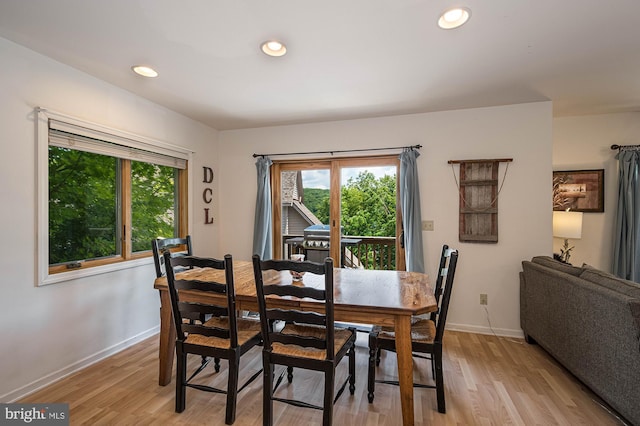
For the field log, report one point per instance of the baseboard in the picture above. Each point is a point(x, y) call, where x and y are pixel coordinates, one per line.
point(503, 332)
point(77, 366)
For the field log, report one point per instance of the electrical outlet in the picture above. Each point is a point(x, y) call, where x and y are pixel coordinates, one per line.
point(484, 299)
point(427, 225)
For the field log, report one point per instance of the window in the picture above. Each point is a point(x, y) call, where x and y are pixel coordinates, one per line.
point(103, 196)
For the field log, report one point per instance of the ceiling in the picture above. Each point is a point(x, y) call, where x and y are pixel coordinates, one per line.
point(346, 58)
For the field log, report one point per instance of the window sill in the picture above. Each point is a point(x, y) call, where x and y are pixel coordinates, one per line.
point(96, 270)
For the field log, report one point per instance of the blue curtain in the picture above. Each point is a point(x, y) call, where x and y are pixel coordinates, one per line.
point(262, 233)
point(411, 215)
point(627, 236)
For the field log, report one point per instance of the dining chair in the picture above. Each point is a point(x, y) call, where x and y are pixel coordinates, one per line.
point(222, 336)
point(307, 340)
point(426, 333)
point(160, 245)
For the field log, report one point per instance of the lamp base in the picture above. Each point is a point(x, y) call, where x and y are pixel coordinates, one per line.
point(565, 251)
point(557, 257)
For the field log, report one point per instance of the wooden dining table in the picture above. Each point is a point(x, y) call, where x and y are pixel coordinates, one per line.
point(388, 298)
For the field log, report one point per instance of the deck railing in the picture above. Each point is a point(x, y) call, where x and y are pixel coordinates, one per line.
point(372, 253)
point(369, 253)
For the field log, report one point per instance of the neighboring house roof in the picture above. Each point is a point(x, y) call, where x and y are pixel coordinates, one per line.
point(306, 213)
point(292, 196)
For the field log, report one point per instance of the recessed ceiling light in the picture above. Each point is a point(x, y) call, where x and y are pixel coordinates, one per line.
point(454, 18)
point(144, 71)
point(274, 48)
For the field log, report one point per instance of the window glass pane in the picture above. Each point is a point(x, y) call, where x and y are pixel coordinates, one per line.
point(82, 205)
point(368, 215)
point(368, 201)
point(316, 193)
point(305, 203)
point(153, 204)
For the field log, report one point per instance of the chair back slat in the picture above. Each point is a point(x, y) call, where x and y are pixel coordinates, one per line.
point(292, 265)
point(189, 308)
point(183, 310)
point(451, 258)
point(296, 316)
point(206, 286)
point(198, 262)
point(160, 245)
point(268, 313)
point(207, 331)
point(296, 291)
point(290, 339)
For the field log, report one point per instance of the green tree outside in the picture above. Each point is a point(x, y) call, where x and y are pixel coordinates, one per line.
point(153, 204)
point(368, 205)
point(84, 205)
point(317, 200)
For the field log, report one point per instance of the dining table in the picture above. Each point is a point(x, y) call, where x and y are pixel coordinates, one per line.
point(381, 297)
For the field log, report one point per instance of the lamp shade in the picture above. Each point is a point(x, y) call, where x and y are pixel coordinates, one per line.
point(567, 225)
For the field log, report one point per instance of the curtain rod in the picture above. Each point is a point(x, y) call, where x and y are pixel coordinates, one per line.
point(338, 151)
point(615, 146)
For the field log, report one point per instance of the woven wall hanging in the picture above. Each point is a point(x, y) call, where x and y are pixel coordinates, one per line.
point(479, 191)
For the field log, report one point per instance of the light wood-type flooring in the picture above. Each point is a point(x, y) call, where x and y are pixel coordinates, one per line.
point(489, 380)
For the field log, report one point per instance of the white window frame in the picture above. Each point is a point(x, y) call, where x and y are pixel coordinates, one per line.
point(119, 137)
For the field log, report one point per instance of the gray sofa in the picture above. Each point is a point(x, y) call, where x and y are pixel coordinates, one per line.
point(589, 321)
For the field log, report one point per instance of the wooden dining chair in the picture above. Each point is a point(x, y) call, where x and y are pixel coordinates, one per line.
point(222, 336)
point(307, 340)
point(426, 333)
point(160, 245)
point(173, 246)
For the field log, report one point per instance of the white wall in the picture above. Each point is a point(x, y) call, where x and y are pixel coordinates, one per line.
point(46, 332)
point(583, 142)
point(522, 132)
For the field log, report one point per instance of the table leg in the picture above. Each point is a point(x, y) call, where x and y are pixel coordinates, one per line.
point(405, 367)
point(167, 340)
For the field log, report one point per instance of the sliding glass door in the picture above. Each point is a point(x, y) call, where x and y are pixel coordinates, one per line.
point(343, 208)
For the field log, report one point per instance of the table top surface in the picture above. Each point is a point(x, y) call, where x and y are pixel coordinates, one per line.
point(375, 291)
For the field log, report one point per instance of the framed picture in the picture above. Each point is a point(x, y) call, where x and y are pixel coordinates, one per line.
point(579, 190)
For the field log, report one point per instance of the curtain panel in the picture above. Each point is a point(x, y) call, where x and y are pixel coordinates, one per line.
point(627, 236)
point(262, 232)
point(411, 214)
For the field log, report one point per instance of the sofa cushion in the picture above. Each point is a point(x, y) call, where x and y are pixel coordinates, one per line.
point(558, 266)
point(610, 281)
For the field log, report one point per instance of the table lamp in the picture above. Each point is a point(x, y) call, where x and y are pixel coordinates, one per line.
point(567, 225)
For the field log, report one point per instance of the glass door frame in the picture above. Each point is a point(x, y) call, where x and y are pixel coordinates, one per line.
point(334, 165)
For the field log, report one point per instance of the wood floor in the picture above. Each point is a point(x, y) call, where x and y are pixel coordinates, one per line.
point(489, 381)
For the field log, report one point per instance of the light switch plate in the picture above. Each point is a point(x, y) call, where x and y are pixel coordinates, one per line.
point(427, 225)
